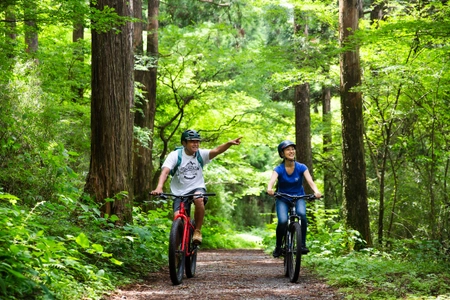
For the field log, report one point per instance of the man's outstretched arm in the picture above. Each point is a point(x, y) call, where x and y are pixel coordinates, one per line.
point(224, 147)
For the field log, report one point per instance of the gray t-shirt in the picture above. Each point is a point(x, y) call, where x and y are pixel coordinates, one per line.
point(189, 175)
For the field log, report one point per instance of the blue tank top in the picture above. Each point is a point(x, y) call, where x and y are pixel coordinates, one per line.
point(291, 184)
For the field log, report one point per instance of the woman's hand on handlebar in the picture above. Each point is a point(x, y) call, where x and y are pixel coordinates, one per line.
point(318, 195)
point(270, 192)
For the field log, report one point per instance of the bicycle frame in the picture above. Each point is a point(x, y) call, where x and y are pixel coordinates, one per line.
point(187, 228)
point(292, 249)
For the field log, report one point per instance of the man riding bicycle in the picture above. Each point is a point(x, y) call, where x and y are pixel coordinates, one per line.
point(188, 176)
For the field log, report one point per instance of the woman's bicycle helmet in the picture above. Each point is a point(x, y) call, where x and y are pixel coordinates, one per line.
point(190, 135)
point(283, 145)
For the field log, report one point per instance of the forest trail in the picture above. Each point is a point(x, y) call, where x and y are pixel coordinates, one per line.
point(231, 274)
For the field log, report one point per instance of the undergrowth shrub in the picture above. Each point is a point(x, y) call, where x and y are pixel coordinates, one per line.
point(36, 265)
point(67, 250)
point(141, 246)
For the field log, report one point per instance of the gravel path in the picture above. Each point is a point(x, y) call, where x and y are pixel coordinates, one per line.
point(231, 274)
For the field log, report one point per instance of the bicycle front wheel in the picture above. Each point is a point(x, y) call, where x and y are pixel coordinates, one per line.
point(287, 254)
point(296, 253)
point(176, 254)
point(191, 259)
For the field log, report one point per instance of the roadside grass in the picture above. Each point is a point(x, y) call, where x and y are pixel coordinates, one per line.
point(408, 269)
point(380, 276)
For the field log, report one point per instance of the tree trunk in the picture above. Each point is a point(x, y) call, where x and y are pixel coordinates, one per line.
point(31, 31)
point(330, 199)
point(303, 126)
point(138, 27)
point(78, 34)
point(145, 117)
point(111, 119)
point(302, 112)
point(11, 34)
point(354, 167)
point(377, 13)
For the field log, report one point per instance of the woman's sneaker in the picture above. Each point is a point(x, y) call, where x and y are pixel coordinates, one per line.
point(277, 252)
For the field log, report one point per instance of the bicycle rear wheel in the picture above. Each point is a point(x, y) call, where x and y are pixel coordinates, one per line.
point(191, 259)
point(296, 253)
point(176, 255)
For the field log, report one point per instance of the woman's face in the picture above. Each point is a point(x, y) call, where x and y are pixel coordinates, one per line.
point(289, 152)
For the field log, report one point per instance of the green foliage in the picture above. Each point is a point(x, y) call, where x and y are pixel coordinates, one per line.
point(79, 254)
point(219, 233)
point(227, 71)
point(379, 275)
point(39, 265)
point(412, 269)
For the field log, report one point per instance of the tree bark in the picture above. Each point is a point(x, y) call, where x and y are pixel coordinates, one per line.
point(31, 31)
point(111, 119)
point(145, 117)
point(302, 113)
point(78, 34)
point(330, 199)
point(303, 126)
point(354, 167)
point(11, 34)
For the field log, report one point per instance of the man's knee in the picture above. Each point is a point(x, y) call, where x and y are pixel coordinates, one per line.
point(199, 203)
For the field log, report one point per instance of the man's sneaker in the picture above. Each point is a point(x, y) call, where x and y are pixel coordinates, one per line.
point(305, 250)
point(277, 252)
point(197, 236)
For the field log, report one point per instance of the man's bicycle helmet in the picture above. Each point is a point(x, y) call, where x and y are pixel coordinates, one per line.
point(190, 135)
point(283, 145)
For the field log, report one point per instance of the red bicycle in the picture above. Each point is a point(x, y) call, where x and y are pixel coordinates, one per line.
point(182, 249)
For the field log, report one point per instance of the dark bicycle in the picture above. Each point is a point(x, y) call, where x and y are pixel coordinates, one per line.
point(182, 249)
point(292, 246)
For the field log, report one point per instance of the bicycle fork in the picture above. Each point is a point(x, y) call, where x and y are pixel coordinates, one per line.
point(293, 218)
point(187, 229)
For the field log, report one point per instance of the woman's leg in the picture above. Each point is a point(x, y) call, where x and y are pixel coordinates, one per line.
point(301, 211)
point(282, 215)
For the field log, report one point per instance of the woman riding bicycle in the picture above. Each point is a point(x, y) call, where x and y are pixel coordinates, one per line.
point(188, 177)
point(290, 176)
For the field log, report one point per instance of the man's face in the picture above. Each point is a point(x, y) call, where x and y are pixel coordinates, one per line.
point(191, 146)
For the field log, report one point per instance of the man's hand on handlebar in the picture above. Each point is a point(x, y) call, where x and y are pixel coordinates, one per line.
point(156, 191)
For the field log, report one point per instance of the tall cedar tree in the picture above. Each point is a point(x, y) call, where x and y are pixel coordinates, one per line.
point(31, 30)
point(354, 166)
point(302, 110)
point(331, 199)
point(111, 120)
point(145, 117)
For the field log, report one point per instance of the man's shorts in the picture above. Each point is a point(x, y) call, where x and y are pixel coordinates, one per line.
point(177, 201)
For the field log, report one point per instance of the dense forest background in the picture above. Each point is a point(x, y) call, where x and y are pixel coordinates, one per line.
point(95, 95)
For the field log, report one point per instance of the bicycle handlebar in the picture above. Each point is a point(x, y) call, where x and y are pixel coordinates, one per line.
point(200, 195)
point(309, 197)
